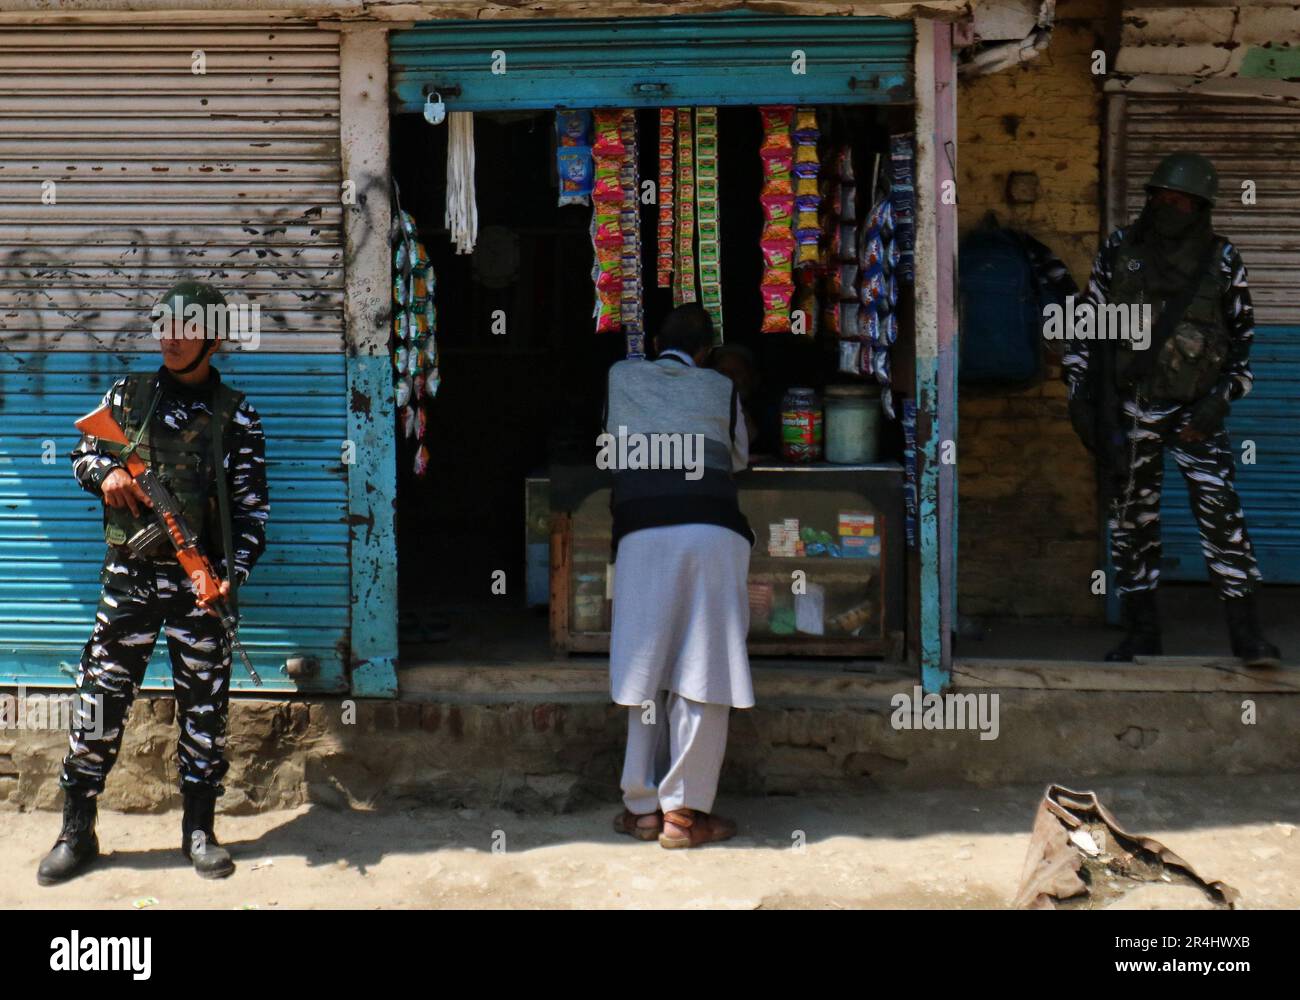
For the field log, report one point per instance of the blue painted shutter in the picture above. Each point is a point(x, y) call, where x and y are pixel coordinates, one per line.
point(738, 57)
point(51, 533)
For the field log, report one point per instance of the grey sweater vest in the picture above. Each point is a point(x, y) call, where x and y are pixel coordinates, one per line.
point(669, 397)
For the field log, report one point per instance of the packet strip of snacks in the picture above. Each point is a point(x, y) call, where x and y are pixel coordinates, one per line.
point(706, 214)
point(573, 156)
point(606, 219)
point(777, 198)
point(807, 227)
point(878, 258)
point(842, 314)
point(415, 350)
point(902, 196)
point(664, 260)
point(684, 275)
point(631, 312)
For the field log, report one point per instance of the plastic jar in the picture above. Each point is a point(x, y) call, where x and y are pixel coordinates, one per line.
point(852, 424)
point(801, 425)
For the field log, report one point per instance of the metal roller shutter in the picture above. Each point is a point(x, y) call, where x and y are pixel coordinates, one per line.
point(1248, 141)
point(738, 57)
point(233, 177)
point(158, 172)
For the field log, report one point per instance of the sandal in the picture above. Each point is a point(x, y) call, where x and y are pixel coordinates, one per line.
point(701, 828)
point(629, 822)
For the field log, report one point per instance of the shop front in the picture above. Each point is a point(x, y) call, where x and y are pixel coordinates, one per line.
point(763, 166)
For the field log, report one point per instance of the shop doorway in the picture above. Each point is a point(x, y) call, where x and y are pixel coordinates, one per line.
point(523, 372)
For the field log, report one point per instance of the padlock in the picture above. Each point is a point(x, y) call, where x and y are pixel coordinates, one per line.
point(434, 110)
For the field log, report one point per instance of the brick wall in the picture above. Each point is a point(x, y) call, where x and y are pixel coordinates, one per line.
point(1028, 535)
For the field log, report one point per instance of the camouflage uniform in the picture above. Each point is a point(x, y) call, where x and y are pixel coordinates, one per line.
point(1151, 425)
point(142, 595)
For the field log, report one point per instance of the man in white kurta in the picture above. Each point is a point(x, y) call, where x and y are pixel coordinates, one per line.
point(678, 657)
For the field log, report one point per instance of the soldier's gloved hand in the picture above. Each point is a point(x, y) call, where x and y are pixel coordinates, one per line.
point(1208, 416)
point(120, 490)
point(1083, 417)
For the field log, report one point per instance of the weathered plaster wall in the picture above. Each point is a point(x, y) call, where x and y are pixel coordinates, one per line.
point(1028, 538)
point(1232, 40)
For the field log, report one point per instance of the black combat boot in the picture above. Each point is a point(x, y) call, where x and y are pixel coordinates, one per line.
point(77, 845)
point(1141, 628)
point(1243, 629)
point(198, 842)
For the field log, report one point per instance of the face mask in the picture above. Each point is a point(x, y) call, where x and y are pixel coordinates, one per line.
point(1171, 224)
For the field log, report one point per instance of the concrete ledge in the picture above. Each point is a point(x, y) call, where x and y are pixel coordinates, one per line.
point(1155, 673)
point(814, 732)
point(775, 683)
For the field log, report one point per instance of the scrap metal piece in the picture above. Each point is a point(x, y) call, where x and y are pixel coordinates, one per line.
point(1080, 857)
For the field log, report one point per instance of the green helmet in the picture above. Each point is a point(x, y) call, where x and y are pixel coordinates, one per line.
point(1189, 173)
point(185, 293)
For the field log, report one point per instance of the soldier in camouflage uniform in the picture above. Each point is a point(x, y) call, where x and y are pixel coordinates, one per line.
point(185, 416)
point(1177, 397)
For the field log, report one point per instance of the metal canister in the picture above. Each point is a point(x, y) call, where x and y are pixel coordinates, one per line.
point(852, 424)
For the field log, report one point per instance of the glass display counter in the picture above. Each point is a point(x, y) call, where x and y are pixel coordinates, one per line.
point(825, 573)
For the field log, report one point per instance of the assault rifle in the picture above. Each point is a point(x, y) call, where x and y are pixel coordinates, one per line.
point(170, 522)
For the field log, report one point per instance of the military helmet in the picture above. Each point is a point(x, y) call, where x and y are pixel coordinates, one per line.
point(186, 293)
point(1189, 173)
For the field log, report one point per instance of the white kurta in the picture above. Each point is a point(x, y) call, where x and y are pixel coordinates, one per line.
point(681, 615)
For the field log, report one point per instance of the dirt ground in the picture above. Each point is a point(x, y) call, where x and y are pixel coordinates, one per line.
point(941, 849)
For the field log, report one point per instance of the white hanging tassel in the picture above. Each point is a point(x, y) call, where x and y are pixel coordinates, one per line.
point(462, 211)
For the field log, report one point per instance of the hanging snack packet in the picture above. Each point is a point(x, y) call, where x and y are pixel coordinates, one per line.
point(608, 144)
point(880, 366)
point(871, 286)
point(850, 357)
point(777, 172)
point(871, 251)
point(805, 126)
point(847, 242)
point(867, 360)
point(573, 157)
point(869, 324)
point(573, 128)
point(776, 120)
point(777, 256)
point(778, 210)
point(889, 329)
point(776, 308)
point(808, 253)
